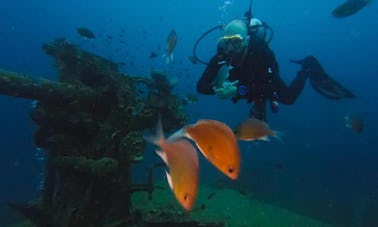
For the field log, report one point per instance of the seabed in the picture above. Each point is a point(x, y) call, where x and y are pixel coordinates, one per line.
point(218, 207)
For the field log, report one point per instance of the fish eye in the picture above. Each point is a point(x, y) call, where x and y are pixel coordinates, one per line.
point(186, 196)
point(230, 170)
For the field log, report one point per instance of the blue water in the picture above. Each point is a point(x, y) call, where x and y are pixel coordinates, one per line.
point(328, 171)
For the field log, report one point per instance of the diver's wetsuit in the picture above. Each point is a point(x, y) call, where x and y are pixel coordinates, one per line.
point(258, 76)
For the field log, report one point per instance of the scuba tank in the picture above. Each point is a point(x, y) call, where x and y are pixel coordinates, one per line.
point(258, 30)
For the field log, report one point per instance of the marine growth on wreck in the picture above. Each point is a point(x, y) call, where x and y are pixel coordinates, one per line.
point(91, 124)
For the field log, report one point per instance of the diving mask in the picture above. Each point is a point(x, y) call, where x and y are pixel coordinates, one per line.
point(231, 44)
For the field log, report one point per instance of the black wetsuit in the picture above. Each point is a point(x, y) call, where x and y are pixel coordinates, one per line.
point(258, 76)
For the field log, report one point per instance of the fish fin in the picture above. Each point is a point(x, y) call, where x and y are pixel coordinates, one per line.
point(348, 122)
point(163, 156)
point(169, 179)
point(203, 153)
point(249, 140)
point(159, 136)
point(168, 58)
point(177, 135)
point(264, 138)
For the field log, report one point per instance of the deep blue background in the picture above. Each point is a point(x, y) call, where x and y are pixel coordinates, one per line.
point(328, 172)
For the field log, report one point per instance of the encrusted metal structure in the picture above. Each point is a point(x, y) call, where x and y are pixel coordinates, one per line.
point(90, 122)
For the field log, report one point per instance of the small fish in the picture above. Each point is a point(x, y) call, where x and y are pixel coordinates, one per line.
point(211, 195)
point(279, 166)
point(191, 98)
point(182, 160)
point(170, 46)
point(85, 32)
point(356, 123)
point(254, 129)
point(217, 143)
point(349, 7)
point(153, 55)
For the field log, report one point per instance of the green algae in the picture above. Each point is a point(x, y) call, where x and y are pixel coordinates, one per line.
point(219, 206)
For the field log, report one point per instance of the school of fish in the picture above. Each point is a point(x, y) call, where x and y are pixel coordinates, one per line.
point(217, 143)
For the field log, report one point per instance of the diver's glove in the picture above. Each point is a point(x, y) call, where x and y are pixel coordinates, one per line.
point(227, 90)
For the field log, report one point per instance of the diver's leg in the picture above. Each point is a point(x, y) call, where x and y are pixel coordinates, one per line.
point(321, 81)
point(295, 88)
point(258, 111)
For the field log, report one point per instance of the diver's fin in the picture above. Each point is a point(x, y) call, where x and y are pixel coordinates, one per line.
point(330, 88)
point(321, 81)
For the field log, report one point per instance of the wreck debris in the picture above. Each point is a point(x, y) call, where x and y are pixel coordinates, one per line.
point(90, 122)
point(23, 86)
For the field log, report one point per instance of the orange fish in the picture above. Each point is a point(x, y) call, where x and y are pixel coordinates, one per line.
point(170, 46)
point(354, 122)
point(182, 160)
point(217, 143)
point(254, 129)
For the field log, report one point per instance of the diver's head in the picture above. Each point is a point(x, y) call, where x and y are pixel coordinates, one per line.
point(235, 37)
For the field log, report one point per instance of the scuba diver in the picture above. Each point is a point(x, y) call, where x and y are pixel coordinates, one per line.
point(245, 67)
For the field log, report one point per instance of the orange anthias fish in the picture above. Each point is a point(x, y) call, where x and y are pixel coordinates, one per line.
point(170, 46)
point(217, 143)
point(356, 123)
point(182, 160)
point(254, 129)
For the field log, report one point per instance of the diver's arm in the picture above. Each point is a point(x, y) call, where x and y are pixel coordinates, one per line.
point(205, 83)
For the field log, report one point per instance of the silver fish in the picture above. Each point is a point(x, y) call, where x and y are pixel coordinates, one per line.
point(170, 46)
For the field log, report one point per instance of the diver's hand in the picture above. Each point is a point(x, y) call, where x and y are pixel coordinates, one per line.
point(227, 90)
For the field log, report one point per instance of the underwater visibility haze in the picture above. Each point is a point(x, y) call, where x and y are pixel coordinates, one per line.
point(320, 164)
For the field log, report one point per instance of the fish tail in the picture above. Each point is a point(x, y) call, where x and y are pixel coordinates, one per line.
point(168, 58)
point(159, 135)
point(278, 135)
